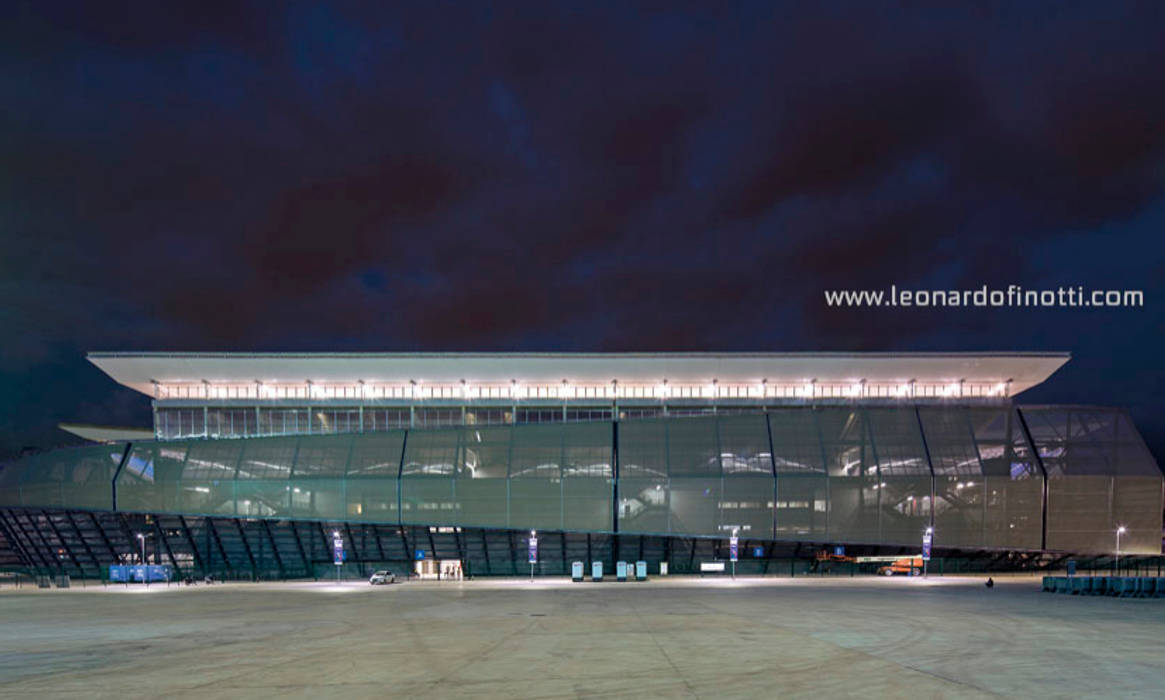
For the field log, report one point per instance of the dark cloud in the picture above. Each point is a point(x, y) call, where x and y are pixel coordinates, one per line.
point(570, 177)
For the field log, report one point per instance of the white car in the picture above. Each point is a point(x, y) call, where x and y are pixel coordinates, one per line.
point(382, 577)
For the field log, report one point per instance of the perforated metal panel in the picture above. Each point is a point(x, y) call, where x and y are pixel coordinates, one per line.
point(77, 477)
point(844, 474)
point(1101, 477)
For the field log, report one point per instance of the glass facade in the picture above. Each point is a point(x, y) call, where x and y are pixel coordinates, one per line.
point(983, 477)
point(179, 422)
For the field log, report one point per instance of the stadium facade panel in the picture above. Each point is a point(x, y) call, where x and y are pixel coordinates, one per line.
point(1006, 478)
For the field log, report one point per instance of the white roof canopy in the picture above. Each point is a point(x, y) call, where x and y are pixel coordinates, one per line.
point(107, 433)
point(142, 370)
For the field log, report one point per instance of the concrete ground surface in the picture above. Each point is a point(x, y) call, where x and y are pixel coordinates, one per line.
point(676, 637)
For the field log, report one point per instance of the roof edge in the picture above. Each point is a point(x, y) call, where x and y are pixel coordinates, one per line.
point(103, 354)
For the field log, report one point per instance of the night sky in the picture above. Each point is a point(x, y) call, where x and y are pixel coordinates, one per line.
point(590, 177)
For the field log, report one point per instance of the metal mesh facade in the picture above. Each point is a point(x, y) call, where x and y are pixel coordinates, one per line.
point(74, 478)
point(1052, 478)
point(1099, 475)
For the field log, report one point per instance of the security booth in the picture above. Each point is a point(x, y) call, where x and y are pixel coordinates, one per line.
point(597, 571)
point(640, 571)
point(621, 571)
point(576, 571)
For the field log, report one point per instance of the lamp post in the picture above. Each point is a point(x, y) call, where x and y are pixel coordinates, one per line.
point(1119, 531)
point(926, 542)
point(734, 550)
point(145, 569)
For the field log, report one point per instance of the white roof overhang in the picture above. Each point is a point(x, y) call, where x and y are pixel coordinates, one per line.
point(140, 370)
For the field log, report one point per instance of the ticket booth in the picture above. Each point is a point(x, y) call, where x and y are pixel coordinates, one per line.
point(439, 569)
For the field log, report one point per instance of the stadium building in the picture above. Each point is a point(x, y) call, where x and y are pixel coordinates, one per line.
point(449, 462)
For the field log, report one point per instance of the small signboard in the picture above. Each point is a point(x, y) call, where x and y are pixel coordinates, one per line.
point(838, 551)
point(533, 550)
point(419, 555)
point(141, 573)
point(758, 552)
point(926, 539)
point(734, 548)
point(337, 550)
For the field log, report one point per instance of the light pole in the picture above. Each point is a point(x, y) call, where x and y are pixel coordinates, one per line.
point(145, 570)
point(926, 542)
point(734, 550)
point(1119, 531)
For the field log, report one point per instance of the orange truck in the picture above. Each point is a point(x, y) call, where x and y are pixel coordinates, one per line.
point(906, 566)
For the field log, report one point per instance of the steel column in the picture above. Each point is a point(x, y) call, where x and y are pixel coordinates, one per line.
point(773, 467)
point(246, 544)
point(47, 548)
point(929, 463)
point(129, 534)
point(190, 541)
point(10, 535)
point(1031, 445)
point(166, 544)
point(105, 538)
point(64, 545)
point(376, 538)
point(352, 539)
point(274, 548)
point(81, 537)
point(218, 543)
point(404, 540)
point(485, 551)
point(31, 543)
point(307, 567)
point(513, 554)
